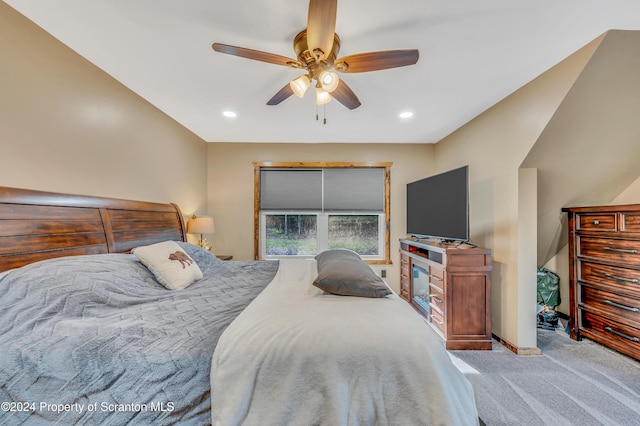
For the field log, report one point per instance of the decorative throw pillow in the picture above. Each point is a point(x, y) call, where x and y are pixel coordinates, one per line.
point(204, 258)
point(170, 264)
point(343, 272)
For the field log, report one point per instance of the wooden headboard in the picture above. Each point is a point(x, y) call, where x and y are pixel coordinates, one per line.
point(36, 225)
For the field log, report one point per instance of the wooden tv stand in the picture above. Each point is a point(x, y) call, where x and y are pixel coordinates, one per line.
point(450, 285)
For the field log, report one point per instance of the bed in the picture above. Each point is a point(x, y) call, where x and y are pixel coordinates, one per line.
point(89, 335)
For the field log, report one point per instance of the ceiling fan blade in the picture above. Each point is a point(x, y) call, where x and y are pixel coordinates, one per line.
point(321, 25)
point(374, 61)
point(345, 96)
point(257, 55)
point(283, 94)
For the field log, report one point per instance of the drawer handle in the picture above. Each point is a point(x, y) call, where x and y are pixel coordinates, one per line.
point(626, 308)
point(617, 333)
point(437, 299)
point(433, 318)
point(596, 222)
point(436, 278)
point(618, 250)
point(629, 280)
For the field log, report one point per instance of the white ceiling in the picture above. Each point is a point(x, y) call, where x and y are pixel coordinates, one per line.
point(472, 54)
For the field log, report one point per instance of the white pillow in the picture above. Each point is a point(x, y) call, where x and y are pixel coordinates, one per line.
point(172, 266)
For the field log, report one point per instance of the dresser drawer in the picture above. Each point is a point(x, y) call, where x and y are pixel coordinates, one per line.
point(625, 251)
point(436, 299)
point(404, 294)
point(437, 321)
point(618, 336)
point(630, 222)
point(404, 279)
point(436, 276)
point(610, 278)
point(404, 270)
point(404, 264)
point(404, 273)
point(623, 309)
point(605, 222)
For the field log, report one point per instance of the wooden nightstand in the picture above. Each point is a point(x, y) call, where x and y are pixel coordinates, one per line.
point(224, 256)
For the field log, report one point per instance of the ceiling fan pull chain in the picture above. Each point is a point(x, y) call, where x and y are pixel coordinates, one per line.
point(316, 112)
point(324, 113)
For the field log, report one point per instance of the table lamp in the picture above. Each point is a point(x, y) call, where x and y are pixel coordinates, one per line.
point(201, 225)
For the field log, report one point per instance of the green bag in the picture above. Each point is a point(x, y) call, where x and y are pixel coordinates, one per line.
point(548, 288)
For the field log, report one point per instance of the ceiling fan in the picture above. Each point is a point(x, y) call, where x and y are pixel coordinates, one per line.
point(317, 48)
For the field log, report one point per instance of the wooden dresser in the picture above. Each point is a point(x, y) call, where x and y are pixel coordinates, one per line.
point(604, 275)
point(450, 285)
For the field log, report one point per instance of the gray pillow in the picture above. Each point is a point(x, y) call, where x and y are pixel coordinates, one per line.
point(343, 272)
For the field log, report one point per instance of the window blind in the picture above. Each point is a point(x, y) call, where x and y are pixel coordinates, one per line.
point(354, 189)
point(330, 189)
point(291, 189)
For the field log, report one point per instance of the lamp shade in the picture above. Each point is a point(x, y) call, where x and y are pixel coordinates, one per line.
point(322, 97)
point(300, 85)
point(329, 81)
point(201, 225)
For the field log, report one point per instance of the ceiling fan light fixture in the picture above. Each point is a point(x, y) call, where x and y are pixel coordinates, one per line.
point(322, 97)
point(300, 85)
point(329, 81)
point(316, 48)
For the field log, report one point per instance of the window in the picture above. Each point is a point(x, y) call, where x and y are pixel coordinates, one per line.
point(289, 234)
point(302, 209)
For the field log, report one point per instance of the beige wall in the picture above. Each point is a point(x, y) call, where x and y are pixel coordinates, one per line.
point(587, 153)
point(230, 186)
point(66, 126)
point(494, 145)
point(631, 195)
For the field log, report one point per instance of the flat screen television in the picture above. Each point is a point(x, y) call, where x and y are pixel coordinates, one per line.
point(438, 206)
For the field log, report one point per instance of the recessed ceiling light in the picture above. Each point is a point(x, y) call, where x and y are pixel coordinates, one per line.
point(406, 114)
point(230, 114)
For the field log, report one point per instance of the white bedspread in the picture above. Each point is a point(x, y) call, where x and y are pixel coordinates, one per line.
point(296, 356)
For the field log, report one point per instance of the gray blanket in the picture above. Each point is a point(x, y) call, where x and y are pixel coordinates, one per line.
point(97, 340)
